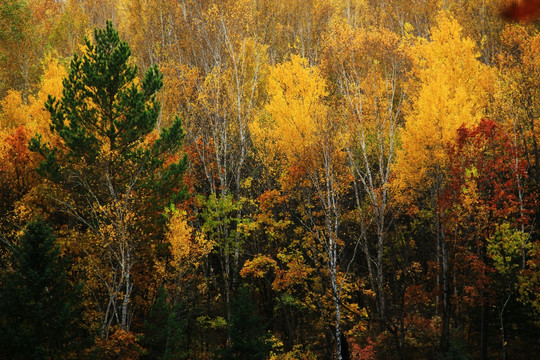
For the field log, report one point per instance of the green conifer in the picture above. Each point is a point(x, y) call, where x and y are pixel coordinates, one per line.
point(38, 305)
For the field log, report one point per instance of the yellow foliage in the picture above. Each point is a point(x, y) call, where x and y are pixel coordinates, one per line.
point(298, 353)
point(179, 93)
point(51, 81)
point(186, 245)
point(13, 110)
point(353, 12)
point(453, 88)
point(258, 267)
point(296, 115)
point(296, 273)
point(33, 115)
point(51, 84)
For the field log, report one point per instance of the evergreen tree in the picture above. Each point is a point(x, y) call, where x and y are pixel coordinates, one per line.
point(111, 164)
point(249, 339)
point(163, 330)
point(38, 305)
point(105, 118)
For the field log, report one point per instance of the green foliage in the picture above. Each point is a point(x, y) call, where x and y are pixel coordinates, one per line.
point(105, 119)
point(505, 248)
point(206, 322)
point(222, 223)
point(39, 308)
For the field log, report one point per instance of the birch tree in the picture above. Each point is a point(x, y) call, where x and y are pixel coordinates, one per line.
point(306, 143)
point(369, 72)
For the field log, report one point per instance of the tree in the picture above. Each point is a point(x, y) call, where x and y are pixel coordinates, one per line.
point(163, 330)
point(482, 23)
point(38, 304)
point(228, 231)
point(452, 90)
point(249, 339)
point(31, 114)
point(16, 46)
point(368, 70)
point(488, 215)
point(306, 143)
point(516, 102)
point(16, 173)
point(228, 73)
point(25, 26)
point(114, 171)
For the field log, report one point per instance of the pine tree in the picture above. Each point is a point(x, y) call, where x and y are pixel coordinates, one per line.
point(38, 305)
point(249, 340)
point(111, 163)
point(105, 118)
point(163, 330)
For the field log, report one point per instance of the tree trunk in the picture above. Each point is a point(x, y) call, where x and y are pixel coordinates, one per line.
point(483, 329)
point(501, 321)
point(127, 295)
point(338, 316)
point(445, 327)
point(380, 283)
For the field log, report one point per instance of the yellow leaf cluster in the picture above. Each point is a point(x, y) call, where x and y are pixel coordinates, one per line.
point(187, 246)
point(33, 115)
point(297, 353)
point(13, 110)
point(453, 91)
point(295, 114)
point(51, 84)
point(258, 267)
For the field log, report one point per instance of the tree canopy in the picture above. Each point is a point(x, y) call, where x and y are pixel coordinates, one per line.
point(301, 179)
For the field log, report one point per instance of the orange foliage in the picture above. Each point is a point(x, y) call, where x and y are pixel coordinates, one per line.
point(16, 162)
point(296, 273)
point(258, 267)
point(121, 345)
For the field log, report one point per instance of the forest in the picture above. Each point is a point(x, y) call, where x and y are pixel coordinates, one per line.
point(262, 179)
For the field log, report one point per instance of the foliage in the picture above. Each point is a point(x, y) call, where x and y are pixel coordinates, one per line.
point(452, 88)
point(186, 247)
point(120, 345)
point(343, 198)
point(111, 167)
point(39, 306)
point(296, 110)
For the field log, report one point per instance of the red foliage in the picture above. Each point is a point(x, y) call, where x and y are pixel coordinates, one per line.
point(485, 189)
point(486, 156)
